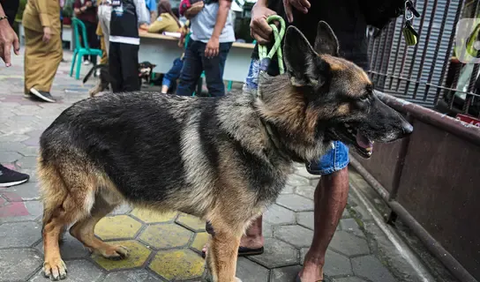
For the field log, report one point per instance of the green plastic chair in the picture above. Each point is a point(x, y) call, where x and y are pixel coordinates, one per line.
point(79, 52)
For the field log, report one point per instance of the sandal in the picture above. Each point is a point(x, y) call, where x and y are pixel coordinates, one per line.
point(244, 251)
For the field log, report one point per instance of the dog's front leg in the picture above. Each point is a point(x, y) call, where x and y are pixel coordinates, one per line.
point(222, 255)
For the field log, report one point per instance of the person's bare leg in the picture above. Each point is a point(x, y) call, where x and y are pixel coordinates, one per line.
point(253, 238)
point(331, 197)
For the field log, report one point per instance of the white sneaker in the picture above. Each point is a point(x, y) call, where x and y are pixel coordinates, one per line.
point(86, 62)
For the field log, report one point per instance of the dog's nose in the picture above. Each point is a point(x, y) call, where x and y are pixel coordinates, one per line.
point(407, 128)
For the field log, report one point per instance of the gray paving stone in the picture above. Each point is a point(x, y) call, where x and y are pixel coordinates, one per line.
point(346, 214)
point(349, 279)
point(370, 267)
point(19, 234)
point(306, 191)
point(296, 180)
point(287, 190)
point(337, 264)
point(302, 171)
point(78, 271)
point(27, 162)
point(131, 276)
point(26, 192)
point(9, 157)
point(349, 244)
point(70, 248)
point(276, 214)
point(285, 274)
point(306, 219)
point(267, 229)
point(32, 141)
point(350, 225)
point(20, 211)
point(26, 110)
point(364, 214)
point(276, 254)
point(20, 148)
point(18, 264)
point(295, 235)
point(249, 271)
point(295, 203)
point(13, 138)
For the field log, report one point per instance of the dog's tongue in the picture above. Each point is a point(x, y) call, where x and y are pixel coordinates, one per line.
point(363, 142)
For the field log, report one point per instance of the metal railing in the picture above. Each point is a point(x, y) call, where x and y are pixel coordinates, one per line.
point(427, 73)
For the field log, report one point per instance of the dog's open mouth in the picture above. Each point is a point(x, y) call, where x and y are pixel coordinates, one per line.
point(363, 145)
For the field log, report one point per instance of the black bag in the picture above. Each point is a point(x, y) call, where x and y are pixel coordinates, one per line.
point(378, 13)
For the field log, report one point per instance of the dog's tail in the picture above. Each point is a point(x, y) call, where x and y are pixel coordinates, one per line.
point(91, 71)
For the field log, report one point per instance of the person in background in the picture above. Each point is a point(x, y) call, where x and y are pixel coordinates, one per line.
point(43, 47)
point(151, 7)
point(86, 11)
point(166, 21)
point(211, 39)
point(104, 16)
point(9, 39)
point(103, 47)
point(174, 73)
point(127, 16)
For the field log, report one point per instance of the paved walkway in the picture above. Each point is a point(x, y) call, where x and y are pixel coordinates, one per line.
point(167, 247)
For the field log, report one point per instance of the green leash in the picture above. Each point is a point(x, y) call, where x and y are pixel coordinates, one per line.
point(265, 57)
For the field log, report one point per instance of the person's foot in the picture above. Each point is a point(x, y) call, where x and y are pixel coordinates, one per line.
point(86, 62)
point(10, 177)
point(312, 270)
point(42, 95)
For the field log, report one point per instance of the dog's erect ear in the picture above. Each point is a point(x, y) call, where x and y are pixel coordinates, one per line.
point(303, 64)
point(326, 42)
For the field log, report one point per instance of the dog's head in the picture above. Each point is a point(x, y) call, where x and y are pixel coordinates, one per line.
point(145, 69)
point(338, 95)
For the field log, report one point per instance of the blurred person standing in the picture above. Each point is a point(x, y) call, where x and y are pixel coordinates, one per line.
point(43, 47)
point(210, 42)
point(127, 16)
point(86, 11)
point(104, 16)
point(9, 39)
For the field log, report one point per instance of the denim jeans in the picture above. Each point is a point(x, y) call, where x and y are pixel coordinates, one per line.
point(195, 62)
point(333, 160)
point(174, 72)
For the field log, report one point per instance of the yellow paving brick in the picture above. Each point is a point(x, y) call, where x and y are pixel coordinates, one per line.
point(191, 222)
point(200, 240)
point(137, 255)
point(164, 236)
point(149, 216)
point(178, 264)
point(117, 227)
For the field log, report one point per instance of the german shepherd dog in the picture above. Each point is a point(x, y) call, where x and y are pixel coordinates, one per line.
point(221, 159)
point(145, 70)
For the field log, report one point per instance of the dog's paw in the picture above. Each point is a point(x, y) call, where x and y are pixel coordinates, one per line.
point(115, 252)
point(55, 269)
point(237, 279)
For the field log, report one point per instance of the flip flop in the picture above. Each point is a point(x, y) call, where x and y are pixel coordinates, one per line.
point(297, 279)
point(244, 251)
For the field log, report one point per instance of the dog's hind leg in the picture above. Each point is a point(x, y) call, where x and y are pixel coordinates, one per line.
point(83, 230)
point(67, 197)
